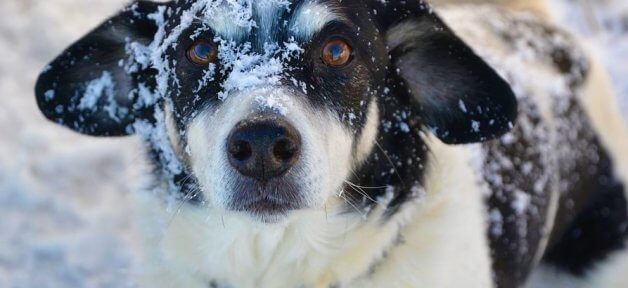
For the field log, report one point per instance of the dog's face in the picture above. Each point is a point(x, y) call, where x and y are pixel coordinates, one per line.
point(265, 107)
point(273, 113)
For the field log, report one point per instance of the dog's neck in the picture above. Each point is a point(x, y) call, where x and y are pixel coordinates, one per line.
point(231, 248)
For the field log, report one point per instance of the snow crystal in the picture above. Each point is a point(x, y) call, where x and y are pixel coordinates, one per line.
point(273, 101)
point(521, 202)
point(248, 69)
point(207, 77)
point(157, 135)
point(144, 97)
point(475, 126)
point(94, 92)
point(49, 95)
point(96, 89)
point(462, 106)
point(388, 195)
point(496, 221)
point(403, 126)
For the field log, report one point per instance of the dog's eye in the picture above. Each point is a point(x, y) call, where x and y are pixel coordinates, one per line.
point(202, 52)
point(337, 53)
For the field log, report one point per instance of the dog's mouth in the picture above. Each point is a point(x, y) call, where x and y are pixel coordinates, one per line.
point(268, 206)
point(273, 199)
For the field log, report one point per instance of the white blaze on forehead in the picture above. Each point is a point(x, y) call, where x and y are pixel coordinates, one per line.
point(311, 17)
point(235, 19)
point(268, 14)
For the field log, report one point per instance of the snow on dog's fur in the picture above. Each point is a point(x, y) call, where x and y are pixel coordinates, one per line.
point(331, 143)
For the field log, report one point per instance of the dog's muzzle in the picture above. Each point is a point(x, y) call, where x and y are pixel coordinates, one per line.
point(263, 149)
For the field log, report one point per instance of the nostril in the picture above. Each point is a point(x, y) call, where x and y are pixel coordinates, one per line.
point(285, 150)
point(241, 150)
point(263, 148)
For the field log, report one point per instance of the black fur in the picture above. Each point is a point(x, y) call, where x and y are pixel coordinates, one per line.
point(442, 74)
point(599, 225)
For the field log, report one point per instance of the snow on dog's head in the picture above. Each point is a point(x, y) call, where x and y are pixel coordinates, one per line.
point(266, 107)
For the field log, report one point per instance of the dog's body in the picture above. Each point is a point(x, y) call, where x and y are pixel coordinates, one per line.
point(372, 196)
point(569, 95)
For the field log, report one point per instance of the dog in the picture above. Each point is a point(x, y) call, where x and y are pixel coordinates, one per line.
point(325, 143)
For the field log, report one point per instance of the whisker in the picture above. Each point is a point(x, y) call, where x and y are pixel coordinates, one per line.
point(180, 202)
point(394, 167)
point(360, 191)
point(369, 187)
point(352, 205)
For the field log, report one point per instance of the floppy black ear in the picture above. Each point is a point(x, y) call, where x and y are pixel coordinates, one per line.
point(459, 97)
point(94, 86)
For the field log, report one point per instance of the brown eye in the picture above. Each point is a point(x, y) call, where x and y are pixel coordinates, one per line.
point(337, 53)
point(202, 53)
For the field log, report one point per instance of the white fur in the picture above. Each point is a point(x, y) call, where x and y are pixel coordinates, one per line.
point(171, 129)
point(311, 18)
point(366, 143)
point(601, 105)
point(444, 244)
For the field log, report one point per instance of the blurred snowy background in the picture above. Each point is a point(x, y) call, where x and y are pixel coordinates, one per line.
point(65, 216)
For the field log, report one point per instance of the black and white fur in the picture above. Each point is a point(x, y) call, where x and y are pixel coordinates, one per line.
point(418, 167)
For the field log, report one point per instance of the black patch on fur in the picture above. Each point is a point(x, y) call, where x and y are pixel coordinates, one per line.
point(515, 171)
point(524, 164)
point(592, 216)
point(598, 230)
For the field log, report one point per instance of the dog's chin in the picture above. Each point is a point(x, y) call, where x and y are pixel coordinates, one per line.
point(267, 209)
point(270, 202)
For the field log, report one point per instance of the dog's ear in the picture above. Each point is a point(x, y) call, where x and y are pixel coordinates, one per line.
point(94, 86)
point(459, 97)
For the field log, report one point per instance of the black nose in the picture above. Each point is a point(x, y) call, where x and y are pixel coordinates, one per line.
point(263, 148)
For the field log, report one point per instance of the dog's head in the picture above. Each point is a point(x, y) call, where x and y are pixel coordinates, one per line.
point(271, 106)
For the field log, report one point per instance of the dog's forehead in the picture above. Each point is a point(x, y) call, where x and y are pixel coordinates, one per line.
point(265, 20)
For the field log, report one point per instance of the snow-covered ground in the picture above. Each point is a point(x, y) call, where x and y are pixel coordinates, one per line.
point(65, 199)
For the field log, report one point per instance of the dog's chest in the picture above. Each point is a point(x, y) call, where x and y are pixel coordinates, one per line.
point(199, 247)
